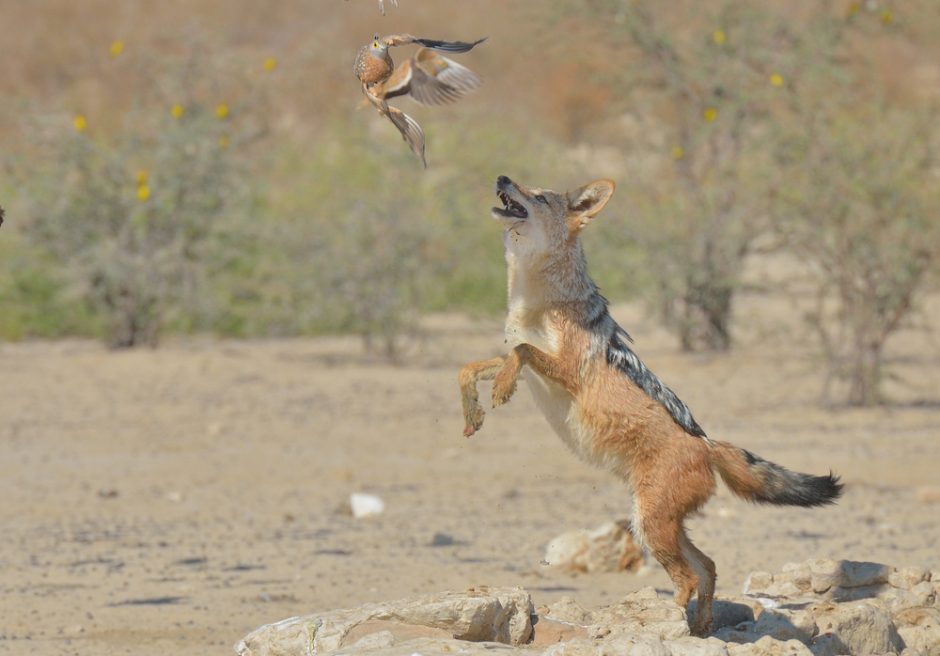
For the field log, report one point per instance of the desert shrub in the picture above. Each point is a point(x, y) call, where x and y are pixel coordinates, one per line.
point(704, 96)
point(861, 210)
point(131, 239)
point(128, 201)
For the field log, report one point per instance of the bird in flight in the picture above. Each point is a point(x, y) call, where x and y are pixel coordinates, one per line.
point(429, 78)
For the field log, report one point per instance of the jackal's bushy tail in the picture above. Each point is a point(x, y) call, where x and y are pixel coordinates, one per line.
point(755, 479)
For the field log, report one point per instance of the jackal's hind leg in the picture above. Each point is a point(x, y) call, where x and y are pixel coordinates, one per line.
point(469, 375)
point(665, 538)
point(705, 570)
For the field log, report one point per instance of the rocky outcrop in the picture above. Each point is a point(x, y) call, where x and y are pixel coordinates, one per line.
point(607, 548)
point(500, 615)
point(815, 608)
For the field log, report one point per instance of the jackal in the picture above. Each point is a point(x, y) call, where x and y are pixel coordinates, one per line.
point(600, 398)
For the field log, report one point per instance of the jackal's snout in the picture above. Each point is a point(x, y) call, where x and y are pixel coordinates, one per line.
point(512, 198)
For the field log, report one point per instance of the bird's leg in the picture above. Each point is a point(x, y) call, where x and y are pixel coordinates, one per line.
point(379, 103)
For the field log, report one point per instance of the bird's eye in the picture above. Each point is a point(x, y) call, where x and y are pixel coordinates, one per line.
point(540, 198)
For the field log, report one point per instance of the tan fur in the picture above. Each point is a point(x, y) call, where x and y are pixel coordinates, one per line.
point(600, 413)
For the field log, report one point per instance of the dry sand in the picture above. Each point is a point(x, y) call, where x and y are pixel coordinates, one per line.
point(170, 501)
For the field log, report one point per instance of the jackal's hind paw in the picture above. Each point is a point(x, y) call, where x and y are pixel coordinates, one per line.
point(474, 418)
point(700, 627)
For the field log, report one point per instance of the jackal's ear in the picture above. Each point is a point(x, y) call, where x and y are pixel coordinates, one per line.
point(585, 202)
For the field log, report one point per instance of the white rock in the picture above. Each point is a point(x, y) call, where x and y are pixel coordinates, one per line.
point(920, 629)
point(365, 505)
point(860, 627)
point(641, 612)
point(632, 645)
point(908, 577)
point(757, 583)
point(427, 647)
point(767, 646)
point(690, 646)
point(491, 615)
point(607, 548)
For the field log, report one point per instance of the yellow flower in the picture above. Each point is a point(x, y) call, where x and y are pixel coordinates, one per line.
point(142, 177)
point(854, 8)
point(270, 64)
point(80, 123)
point(143, 192)
point(223, 142)
point(678, 152)
point(776, 80)
point(221, 111)
point(176, 111)
point(719, 37)
point(710, 114)
point(117, 48)
point(887, 17)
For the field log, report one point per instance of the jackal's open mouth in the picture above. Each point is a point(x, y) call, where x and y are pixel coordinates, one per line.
point(510, 207)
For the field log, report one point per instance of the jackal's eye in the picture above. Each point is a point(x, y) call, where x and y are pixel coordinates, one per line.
point(540, 198)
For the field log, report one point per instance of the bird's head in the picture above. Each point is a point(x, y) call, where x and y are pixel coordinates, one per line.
point(378, 47)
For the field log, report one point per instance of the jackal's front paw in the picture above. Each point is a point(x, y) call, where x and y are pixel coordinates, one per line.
point(473, 418)
point(504, 386)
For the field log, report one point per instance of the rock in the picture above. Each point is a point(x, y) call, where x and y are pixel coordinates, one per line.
point(825, 574)
point(841, 575)
point(641, 612)
point(861, 627)
point(730, 612)
point(898, 599)
point(799, 575)
point(757, 583)
point(859, 575)
point(768, 646)
point(426, 647)
point(492, 615)
point(780, 624)
point(608, 548)
point(908, 577)
point(690, 646)
point(568, 610)
point(365, 505)
point(634, 645)
point(548, 631)
point(920, 629)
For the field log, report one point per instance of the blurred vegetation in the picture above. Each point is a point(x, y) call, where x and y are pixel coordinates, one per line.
point(167, 172)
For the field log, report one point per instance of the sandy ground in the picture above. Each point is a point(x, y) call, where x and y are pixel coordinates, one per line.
point(170, 501)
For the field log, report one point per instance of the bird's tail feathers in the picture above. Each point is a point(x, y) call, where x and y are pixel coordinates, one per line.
point(411, 132)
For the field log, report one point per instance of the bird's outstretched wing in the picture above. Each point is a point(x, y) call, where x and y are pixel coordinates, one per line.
point(446, 46)
point(431, 79)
